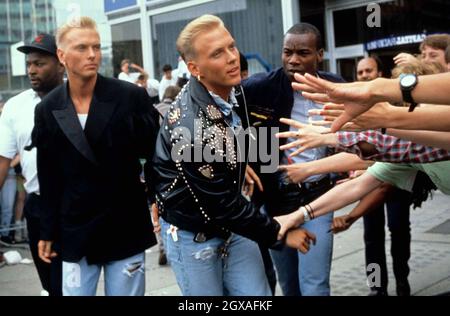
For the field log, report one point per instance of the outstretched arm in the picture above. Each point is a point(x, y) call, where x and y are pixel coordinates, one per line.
point(429, 138)
point(341, 162)
point(368, 204)
point(431, 117)
point(335, 199)
point(358, 97)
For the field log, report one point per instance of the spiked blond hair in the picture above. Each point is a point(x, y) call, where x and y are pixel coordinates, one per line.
point(83, 22)
point(190, 32)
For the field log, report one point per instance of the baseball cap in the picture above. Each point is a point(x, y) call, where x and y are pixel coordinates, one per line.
point(43, 42)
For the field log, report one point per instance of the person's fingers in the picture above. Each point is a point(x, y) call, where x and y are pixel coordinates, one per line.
point(291, 122)
point(315, 112)
point(317, 84)
point(291, 134)
point(248, 183)
point(305, 246)
point(299, 150)
point(311, 236)
point(256, 179)
point(332, 113)
point(340, 122)
point(42, 250)
point(285, 167)
point(322, 123)
point(251, 188)
point(293, 144)
point(316, 97)
point(48, 249)
point(333, 106)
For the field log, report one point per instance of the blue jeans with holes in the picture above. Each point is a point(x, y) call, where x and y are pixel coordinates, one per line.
point(201, 271)
point(124, 277)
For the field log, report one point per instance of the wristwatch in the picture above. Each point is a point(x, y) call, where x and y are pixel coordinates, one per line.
point(407, 83)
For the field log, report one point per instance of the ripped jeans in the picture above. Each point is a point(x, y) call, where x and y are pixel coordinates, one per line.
point(201, 270)
point(124, 277)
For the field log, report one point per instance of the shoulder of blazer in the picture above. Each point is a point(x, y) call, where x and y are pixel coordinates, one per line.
point(54, 99)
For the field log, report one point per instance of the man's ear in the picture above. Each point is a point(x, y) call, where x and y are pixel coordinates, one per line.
point(320, 55)
point(61, 56)
point(193, 68)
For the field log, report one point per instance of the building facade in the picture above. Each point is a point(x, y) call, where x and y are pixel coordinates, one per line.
point(20, 20)
point(146, 30)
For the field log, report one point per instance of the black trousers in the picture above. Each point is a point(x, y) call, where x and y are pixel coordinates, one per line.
point(50, 275)
point(397, 208)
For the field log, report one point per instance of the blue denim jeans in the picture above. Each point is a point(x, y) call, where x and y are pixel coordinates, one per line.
point(307, 274)
point(122, 277)
point(200, 269)
point(7, 199)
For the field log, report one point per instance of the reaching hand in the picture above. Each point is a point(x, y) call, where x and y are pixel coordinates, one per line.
point(250, 178)
point(355, 96)
point(45, 251)
point(371, 119)
point(300, 239)
point(341, 223)
point(289, 221)
point(309, 136)
point(404, 58)
point(296, 173)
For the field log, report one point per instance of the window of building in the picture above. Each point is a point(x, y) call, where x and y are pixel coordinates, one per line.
point(126, 44)
point(313, 12)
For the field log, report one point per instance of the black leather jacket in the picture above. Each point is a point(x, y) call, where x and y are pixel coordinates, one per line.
point(204, 196)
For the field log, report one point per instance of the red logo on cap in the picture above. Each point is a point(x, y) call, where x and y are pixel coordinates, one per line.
point(39, 38)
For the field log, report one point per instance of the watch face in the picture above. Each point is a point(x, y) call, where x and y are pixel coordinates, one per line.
point(408, 80)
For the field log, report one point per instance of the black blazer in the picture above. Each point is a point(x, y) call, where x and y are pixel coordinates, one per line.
point(94, 203)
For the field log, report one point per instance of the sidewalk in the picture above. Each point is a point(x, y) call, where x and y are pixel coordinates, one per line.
point(430, 260)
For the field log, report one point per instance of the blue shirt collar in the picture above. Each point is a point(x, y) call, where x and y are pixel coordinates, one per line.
point(224, 106)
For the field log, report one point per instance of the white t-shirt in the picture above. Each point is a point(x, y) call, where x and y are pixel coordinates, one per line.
point(164, 83)
point(16, 124)
point(131, 77)
point(82, 118)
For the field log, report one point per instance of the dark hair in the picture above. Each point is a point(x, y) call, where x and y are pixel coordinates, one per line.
point(305, 28)
point(422, 189)
point(166, 67)
point(181, 81)
point(378, 61)
point(243, 61)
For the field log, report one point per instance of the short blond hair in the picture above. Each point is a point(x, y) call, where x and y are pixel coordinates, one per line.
point(190, 32)
point(83, 22)
point(418, 67)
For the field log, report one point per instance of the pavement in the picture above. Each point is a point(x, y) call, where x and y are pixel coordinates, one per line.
point(429, 263)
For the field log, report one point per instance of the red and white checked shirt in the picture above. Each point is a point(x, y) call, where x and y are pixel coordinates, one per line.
point(389, 148)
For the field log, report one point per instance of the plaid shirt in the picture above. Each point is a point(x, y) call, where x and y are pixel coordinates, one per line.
point(389, 148)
